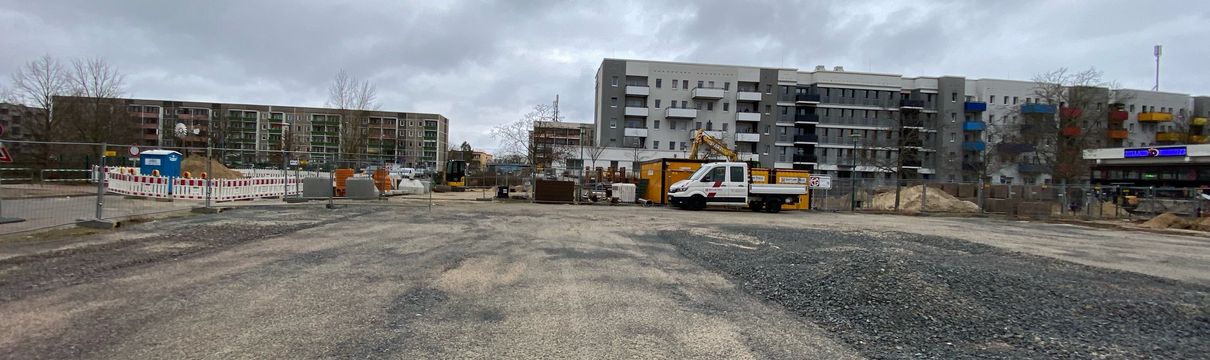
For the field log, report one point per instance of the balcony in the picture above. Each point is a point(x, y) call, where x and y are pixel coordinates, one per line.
point(911, 104)
point(806, 139)
point(1197, 139)
point(974, 106)
point(749, 157)
point(1197, 121)
point(747, 96)
point(1118, 115)
point(1071, 112)
point(974, 146)
point(747, 116)
point(713, 133)
point(806, 158)
point(1155, 117)
point(708, 93)
point(636, 132)
point(636, 111)
point(1070, 131)
point(1014, 148)
point(1169, 136)
point(806, 99)
point(1029, 168)
point(1036, 108)
point(911, 122)
point(974, 125)
point(912, 162)
point(1117, 134)
point(681, 113)
point(806, 119)
point(972, 166)
point(633, 90)
point(747, 137)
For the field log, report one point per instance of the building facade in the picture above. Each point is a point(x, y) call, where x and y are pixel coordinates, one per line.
point(871, 125)
point(260, 132)
point(555, 141)
point(18, 123)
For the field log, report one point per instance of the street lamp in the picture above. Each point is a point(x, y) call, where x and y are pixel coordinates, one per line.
point(853, 173)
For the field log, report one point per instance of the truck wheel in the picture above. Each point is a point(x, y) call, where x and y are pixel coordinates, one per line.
point(774, 207)
point(697, 202)
point(756, 206)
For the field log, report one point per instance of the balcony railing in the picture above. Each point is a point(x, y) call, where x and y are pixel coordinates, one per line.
point(747, 137)
point(637, 90)
point(805, 158)
point(1070, 112)
point(974, 106)
point(1070, 131)
point(747, 96)
point(806, 118)
point(708, 93)
point(1197, 139)
point(1155, 116)
point(1198, 121)
point(974, 146)
point(1118, 115)
point(684, 113)
point(911, 104)
point(636, 111)
point(806, 139)
point(974, 125)
point(1037, 108)
point(1169, 136)
point(807, 98)
point(636, 132)
point(1117, 134)
point(747, 116)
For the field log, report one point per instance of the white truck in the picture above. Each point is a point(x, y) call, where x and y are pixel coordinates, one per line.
point(730, 184)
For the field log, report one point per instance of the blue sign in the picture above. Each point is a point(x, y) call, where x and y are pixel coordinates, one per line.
point(1155, 152)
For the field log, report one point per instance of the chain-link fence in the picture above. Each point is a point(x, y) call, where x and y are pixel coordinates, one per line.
point(1063, 200)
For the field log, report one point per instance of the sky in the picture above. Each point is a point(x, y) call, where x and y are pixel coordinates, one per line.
point(483, 63)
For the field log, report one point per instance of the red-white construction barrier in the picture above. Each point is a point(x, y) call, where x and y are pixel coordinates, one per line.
point(195, 189)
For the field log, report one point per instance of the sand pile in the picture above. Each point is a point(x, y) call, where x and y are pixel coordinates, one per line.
point(196, 165)
point(1202, 224)
point(910, 200)
point(1167, 221)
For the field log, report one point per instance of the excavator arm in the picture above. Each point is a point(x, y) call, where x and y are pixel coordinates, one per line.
point(700, 137)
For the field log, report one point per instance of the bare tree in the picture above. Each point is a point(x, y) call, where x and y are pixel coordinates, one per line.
point(1083, 101)
point(95, 111)
point(354, 99)
point(535, 144)
point(36, 84)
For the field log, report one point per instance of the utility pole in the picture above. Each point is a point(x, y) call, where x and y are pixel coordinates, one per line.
point(853, 174)
point(1159, 49)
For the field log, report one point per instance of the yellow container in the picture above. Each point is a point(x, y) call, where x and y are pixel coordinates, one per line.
point(795, 177)
point(760, 175)
point(662, 173)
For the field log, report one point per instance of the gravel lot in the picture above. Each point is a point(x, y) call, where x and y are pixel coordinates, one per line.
point(481, 280)
point(896, 295)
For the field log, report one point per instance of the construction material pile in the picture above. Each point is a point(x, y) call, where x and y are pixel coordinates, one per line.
point(196, 165)
point(910, 201)
point(1173, 221)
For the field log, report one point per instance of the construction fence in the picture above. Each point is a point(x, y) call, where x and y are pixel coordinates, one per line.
point(1062, 200)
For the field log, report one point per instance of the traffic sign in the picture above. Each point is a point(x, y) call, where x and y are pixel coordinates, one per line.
point(111, 153)
point(821, 182)
point(293, 162)
point(5, 157)
point(134, 150)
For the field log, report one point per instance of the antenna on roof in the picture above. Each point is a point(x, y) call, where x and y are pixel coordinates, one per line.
point(1159, 49)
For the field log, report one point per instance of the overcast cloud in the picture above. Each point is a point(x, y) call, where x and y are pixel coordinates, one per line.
point(484, 63)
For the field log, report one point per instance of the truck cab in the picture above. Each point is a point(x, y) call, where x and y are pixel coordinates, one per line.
point(729, 184)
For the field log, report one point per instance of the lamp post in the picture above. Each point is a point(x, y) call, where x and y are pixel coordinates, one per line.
point(853, 173)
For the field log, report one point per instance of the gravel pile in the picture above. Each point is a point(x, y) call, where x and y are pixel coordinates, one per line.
point(911, 296)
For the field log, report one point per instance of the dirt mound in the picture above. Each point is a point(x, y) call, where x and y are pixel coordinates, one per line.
point(1202, 224)
point(1167, 221)
point(910, 201)
point(196, 165)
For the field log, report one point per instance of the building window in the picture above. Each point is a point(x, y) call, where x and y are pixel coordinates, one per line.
point(699, 83)
point(672, 145)
point(659, 83)
point(657, 103)
point(726, 106)
point(657, 124)
point(684, 104)
point(697, 125)
point(724, 126)
point(953, 117)
point(1006, 100)
point(615, 81)
point(952, 136)
point(1131, 107)
point(712, 84)
point(953, 97)
point(683, 146)
point(991, 100)
point(674, 82)
point(768, 88)
point(726, 85)
point(613, 102)
point(1014, 100)
point(613, 123)
point(685, 84)
point(655, 144)
point(671, 125)
point(710, 106)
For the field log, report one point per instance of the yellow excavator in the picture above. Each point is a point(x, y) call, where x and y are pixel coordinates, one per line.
point(700, 137)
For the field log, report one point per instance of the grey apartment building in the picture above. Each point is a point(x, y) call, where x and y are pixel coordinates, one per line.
point(834, 121)
point(261, 131)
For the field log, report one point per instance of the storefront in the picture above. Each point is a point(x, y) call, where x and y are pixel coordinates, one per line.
point(1179, 166)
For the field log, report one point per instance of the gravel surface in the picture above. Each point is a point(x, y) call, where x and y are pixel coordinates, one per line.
point(894, 295)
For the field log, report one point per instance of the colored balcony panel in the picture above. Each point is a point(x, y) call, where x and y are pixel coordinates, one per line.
point(1070, 131)
point(1119, 115)
point(1198, 121)
point(1197, 139)
point(1117, 134)
point(1155, 117)
point(974, 125)
point(975, 106)
point(974, 146)
point(1168, 136)
point(1070, 112)
point(1036, 108)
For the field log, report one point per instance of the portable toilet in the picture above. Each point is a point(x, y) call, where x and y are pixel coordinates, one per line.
point(168, 162)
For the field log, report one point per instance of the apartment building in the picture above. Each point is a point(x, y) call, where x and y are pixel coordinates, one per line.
point(872, 125)
point(409, 139)
point(18, 124)
point(554, 140)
